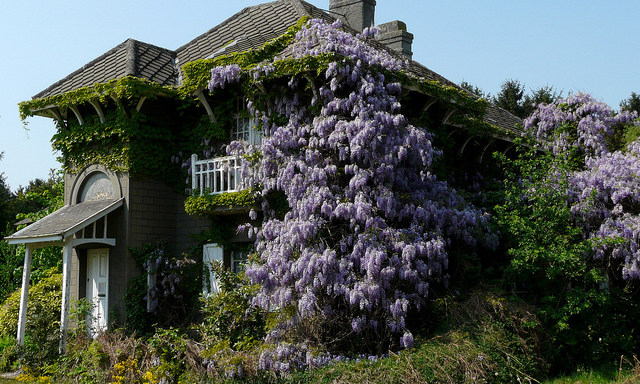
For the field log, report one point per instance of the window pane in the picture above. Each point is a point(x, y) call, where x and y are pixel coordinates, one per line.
point(238, 260)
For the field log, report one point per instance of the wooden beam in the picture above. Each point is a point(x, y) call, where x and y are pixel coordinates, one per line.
point(448, 114)
point(76, 111)
point(206, 105)
point(55, 113)
point(464, 145)
point(140, 102)
point(98, 109)
point(430, 101)
point(485, 149)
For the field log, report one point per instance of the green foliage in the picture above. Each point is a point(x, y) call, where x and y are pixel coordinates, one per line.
point(125, 142)
point(201, 204)
point(510, 97)
point(486, 338)
point(79, 312)
point(631, 104)
point(38, 199)
point(198, 72)
point(630, 134)
point(475, 90)
point(173, 300)
point(513, 98)
point(43, 320)
point(43, 313)
point(126, 88)
point(545, 242)
point(228, 315)
point(8, 353)
point(172, 349)
point(543, 95)
point(138, 320)
point(85, 361)
point(6, 216)
point(552, 264)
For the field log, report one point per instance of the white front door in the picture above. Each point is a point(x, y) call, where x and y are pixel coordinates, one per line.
point(98, 288)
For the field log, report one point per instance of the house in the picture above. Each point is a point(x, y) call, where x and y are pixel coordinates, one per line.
point(123, 120)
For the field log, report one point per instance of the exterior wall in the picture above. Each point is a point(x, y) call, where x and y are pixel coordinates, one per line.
point(152, 213)
point(120, 262)
point(120, 272)
point(187, 226)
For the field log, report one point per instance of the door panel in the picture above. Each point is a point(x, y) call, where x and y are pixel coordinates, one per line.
point(98, 288)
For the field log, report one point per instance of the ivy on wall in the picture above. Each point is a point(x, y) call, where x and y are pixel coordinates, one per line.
point(126, 88)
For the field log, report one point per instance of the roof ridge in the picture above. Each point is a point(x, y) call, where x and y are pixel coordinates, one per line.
point(299, 7)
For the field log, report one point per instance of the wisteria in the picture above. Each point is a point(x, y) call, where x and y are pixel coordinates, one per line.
point(578, 121)
point(368, 225)
point(602, 193)
point(221, 76)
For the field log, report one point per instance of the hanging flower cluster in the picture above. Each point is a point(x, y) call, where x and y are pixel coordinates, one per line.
point(603, 194)
point(578, 121)
point(368, 226)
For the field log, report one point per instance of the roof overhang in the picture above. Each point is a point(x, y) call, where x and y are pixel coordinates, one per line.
point(65, 222)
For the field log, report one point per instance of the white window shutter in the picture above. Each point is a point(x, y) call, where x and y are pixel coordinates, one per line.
point(211, 253)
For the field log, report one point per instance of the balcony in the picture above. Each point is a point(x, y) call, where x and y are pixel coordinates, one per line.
point(215, 176)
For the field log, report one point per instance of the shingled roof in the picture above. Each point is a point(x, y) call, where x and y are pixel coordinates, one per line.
point(248, 29)
point(65, 222)
point(131, 58)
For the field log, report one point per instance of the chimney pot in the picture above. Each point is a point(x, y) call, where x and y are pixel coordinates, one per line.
point(395, 36)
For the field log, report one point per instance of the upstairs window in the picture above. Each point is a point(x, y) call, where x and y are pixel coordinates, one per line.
point(244, 127)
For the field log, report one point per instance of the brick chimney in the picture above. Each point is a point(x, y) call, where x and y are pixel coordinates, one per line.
point(395, 36)
point(357, 14)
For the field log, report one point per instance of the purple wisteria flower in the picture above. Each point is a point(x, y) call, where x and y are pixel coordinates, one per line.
point(603, 193)
point(368, 225)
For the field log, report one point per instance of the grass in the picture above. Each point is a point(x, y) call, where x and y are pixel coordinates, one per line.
point(627, 372)
point(596, 377)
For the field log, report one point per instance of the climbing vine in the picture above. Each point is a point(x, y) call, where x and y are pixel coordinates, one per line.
point(196, 204)
point(126, 88)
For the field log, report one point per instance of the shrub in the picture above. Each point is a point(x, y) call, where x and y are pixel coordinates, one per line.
point(228, 314)
point(43, 320)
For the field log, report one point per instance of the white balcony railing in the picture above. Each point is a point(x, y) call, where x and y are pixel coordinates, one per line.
point(217, 175)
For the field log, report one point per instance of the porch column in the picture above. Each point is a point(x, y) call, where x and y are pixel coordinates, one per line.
point(66, 285)
point(24, 294)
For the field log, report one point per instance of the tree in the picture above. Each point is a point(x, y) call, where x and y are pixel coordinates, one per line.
point(474, 89)
point(6, 215)
point(511, 97)
point(367, 227)
point(571, 214)
point(543, 95)
point(37, 200)
point(631, 104)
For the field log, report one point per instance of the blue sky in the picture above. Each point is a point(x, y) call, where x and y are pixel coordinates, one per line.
point(588, 46)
